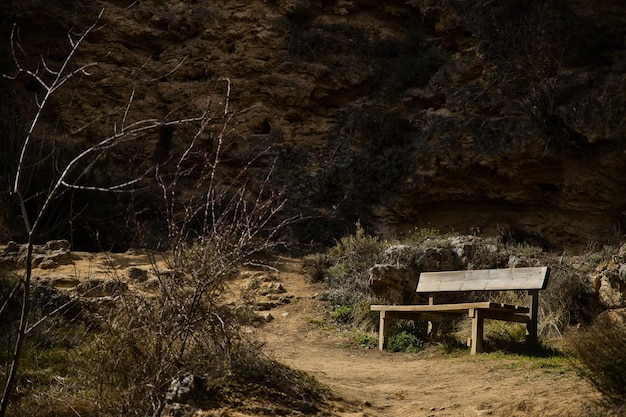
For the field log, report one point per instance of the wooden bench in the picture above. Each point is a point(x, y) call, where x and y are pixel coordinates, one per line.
point(531, 279)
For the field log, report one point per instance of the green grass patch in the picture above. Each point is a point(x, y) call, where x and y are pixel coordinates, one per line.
point(366, 340)
point(405, 341)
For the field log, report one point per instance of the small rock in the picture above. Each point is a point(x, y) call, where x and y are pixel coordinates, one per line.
point(267, 317)
point(285, 314)
point(48, 263)
point(61, 256)
point(37, 260)
point(280, 299)
point(54, 245)
point(64, 282)
point(136, 274)
point(266, 305)
point(11, 248)
point(272, 288)
point(152, 284)
point(181, 388)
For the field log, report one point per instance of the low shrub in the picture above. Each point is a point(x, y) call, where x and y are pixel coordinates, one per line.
point(343, 314)
point(367, 340)
point(347, 276)
point(405, 341)
point(600, 349)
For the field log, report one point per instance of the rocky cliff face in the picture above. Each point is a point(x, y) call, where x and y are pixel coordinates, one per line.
point(505, 117)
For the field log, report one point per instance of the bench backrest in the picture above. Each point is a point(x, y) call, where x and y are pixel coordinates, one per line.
point(509, 279)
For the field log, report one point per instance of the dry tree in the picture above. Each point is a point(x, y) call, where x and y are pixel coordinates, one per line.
point(49, 81)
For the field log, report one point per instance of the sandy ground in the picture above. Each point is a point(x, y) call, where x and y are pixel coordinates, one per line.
point(374, 383)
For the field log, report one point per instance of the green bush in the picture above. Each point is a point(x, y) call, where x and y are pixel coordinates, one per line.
point(367, 341)
point(405, 341)
point(343, 314)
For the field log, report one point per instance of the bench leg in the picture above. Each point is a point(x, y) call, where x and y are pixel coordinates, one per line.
point(433, 327)
point(383, 332)
point(478, 321)
point(531, 333)
point(531, 326)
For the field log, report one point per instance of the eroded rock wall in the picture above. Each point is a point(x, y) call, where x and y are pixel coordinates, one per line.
point(503, 117)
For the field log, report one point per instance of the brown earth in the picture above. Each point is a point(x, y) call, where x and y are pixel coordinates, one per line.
point(373, 383)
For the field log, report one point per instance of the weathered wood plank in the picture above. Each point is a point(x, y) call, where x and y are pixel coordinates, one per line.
point(432, 307)
point(476, 343)
point(530, 278)
point(531, 327)
point(506, 316)
point(460, 307)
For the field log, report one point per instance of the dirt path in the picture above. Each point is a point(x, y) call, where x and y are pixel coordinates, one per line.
point(424, 384)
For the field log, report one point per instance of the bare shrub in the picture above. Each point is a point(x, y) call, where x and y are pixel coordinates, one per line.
point(565, 301)
point(600, 348)
point(192, 324)
point(70, 174)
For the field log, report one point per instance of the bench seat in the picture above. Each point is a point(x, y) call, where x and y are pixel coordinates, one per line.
point(461, 308)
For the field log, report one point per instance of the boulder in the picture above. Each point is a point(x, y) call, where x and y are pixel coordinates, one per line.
point(610, 285)
point(394, 283)
point(439, 259)
point(47, 263)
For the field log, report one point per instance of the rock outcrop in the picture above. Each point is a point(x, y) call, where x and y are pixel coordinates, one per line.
point(502, 116)
point(47, 256)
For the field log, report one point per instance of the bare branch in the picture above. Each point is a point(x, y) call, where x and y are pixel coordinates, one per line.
point(49, 90)
point(69, 37)
point(79, 70)
point(112, 189)
point(45, 66)
point(180, 64)
point(227, 94)
point(130, 100)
